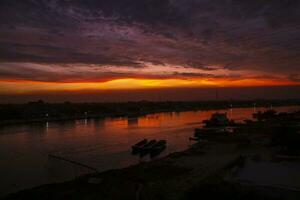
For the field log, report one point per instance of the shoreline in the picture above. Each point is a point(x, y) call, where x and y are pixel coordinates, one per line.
point(220, 105)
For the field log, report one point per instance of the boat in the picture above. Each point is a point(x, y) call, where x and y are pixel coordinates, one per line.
point(136, 148)
point(159, 143)
point(218, 119)
point(147, 148)
point(158, 147)
point(264, 116)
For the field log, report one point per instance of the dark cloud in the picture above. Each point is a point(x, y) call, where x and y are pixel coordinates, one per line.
point(258, 35)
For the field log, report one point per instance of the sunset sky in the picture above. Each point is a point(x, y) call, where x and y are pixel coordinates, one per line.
point(73, 48)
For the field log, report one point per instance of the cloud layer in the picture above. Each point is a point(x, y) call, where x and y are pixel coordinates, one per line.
point(81, 40)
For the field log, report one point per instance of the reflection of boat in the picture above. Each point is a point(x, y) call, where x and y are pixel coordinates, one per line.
point(218, 119)
point(139, 146)
point(158, 147)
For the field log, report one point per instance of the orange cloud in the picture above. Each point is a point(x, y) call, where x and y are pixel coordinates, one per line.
point(19, 87)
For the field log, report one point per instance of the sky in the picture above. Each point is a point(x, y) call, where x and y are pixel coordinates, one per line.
point(131, 49)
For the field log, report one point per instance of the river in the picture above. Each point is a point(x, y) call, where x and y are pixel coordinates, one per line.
point(102, 144)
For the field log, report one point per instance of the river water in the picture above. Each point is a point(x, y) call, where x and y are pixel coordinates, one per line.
point(102, 144)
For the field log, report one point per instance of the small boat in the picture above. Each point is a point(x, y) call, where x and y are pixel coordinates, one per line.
point(158, 148)
point(139, 146)
point(217, 119)
point(264, 116)
point(147, 148)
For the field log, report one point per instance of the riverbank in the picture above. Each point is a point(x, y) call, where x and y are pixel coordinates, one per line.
point(41, 112)
point(221, 165)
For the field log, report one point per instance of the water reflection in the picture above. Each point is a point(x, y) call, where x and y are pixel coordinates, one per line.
point(100, 143)
point(47, 126)
point(99, 123)
point(132, 122)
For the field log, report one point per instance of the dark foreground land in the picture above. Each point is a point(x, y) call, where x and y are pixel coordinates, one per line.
point(41, 111)
point(259, 160)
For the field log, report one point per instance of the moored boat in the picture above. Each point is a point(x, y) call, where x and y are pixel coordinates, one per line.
point(136, 148)
point(158, 147)
point(151, 147)
point(217, 119)
point(147, 147)
point(263, 116)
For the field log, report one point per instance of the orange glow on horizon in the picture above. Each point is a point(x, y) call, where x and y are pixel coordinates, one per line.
point(24, 86)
